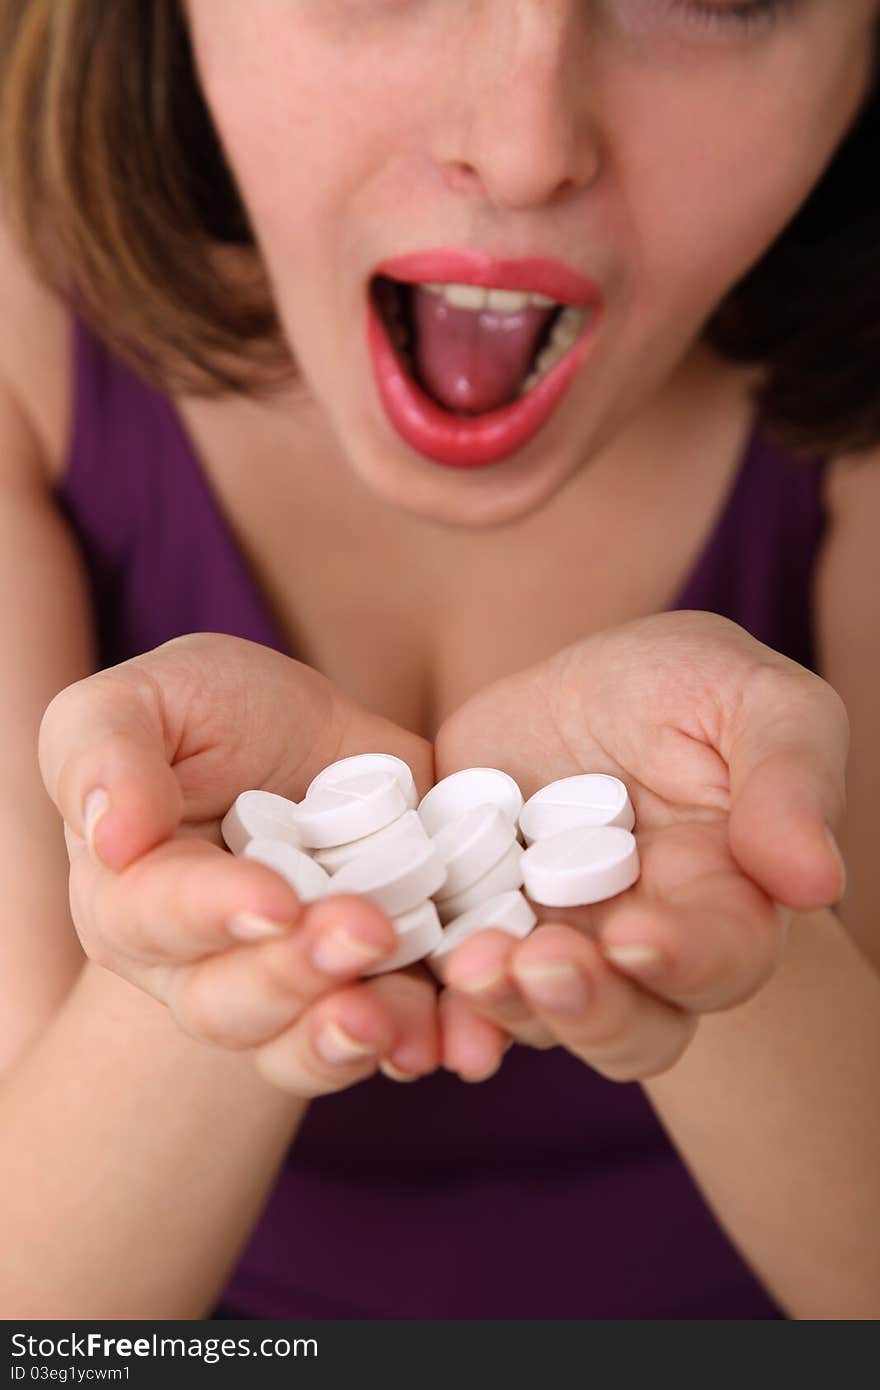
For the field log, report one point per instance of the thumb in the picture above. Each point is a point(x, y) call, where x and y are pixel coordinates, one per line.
point(104, 763)
point(787, 757)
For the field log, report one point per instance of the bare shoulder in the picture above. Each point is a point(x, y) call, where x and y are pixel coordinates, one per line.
point(35, 352)
point(847, 626)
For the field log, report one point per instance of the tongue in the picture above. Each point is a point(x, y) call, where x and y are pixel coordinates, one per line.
point(469, 361)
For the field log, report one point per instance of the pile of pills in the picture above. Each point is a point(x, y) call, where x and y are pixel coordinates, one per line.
point(451, 864)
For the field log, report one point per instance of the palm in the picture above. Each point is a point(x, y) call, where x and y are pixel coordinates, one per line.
point(659, 703)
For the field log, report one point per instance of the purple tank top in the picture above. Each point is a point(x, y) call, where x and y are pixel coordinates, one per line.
point(547, 1191)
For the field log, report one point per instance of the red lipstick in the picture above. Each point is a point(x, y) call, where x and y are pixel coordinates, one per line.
point(460, 441)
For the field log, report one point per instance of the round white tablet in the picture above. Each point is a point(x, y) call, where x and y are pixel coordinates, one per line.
point(338, 812)
point(580, 866)
point(257, 815)
point(510, 912)
point(397, 879)
point(472, 786)
point(503, 877)
point(307, 879)
point(405, 829)
point(591, 799)
point(418, 932)
point(360, 763)
point(472, 844)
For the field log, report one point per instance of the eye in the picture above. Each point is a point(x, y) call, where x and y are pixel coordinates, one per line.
point(743, 14)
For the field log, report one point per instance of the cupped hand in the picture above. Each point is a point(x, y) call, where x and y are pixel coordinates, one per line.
point(159, 747)
point(734, 758)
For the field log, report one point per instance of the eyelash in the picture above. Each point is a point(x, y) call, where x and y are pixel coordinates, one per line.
point(747, 15)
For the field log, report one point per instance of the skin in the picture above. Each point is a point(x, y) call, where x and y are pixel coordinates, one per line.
point(559, 128)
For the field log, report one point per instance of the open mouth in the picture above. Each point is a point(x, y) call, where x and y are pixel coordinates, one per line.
point(472, 350)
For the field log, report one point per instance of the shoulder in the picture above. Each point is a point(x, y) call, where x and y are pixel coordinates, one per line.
point(847, 630)
point(35, 352)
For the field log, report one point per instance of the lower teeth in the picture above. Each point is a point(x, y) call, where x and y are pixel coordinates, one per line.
point(566, 331)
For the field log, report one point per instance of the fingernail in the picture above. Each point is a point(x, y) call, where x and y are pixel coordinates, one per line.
point(473, 1077)
point(338, 953)
point(839, 857)
point(339, 1047)
point(636, 956)
point(94, 806)
point(554, 985)
point(394, 1074)
point(477, 984)
point(250, 926)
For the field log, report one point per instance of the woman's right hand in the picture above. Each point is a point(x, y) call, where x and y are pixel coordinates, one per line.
point(165, 742)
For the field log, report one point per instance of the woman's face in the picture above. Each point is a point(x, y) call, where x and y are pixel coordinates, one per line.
point(656, 147)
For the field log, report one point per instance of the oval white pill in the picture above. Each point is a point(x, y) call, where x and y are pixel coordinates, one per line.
point(258, 815)
point(472, 786)
point(360, 763)
point(472, 844)
point(591, 799)
point(406, 829)
point(338, 812)
point(418, 932)
point(510, 912)
point(397, 879)
point(580, 866)
point(307, 879)
point(503, 877)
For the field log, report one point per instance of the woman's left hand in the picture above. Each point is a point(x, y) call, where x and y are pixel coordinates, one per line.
point(734, 757)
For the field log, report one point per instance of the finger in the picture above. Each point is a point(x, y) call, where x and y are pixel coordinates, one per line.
point(471, 1045)
point(787, 751)
point(712, 946)
point(693, 930)
point(335, 1043)
point(411, 998)
point(179, 902)
point(344, 1036)
point(242, 997)
point(604, 1019)
point(480, 970)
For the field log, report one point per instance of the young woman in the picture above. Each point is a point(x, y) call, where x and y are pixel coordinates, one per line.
point(279, 484)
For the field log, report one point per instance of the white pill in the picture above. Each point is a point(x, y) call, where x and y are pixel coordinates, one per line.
point(510, 912)
point(591, 799)
point(337, 812)
point(397, 879)
point(503, 877)
point(580, 866)
point(406, 829)
point(307, 879)
point(360, 763)
point(472, 844)
point(418, 932)
point(258, 815)
point(472, 786)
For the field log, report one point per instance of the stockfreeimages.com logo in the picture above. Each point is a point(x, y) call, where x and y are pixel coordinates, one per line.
point(208, 1349)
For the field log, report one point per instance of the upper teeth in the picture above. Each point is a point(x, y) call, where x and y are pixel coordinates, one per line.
point(478, 297)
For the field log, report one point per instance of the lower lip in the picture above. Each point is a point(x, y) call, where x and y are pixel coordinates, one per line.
point(460, 441)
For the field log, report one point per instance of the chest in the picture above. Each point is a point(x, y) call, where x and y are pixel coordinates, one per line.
point(410, 620)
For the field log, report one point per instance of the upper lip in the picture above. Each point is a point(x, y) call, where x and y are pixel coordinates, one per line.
point(530, 273)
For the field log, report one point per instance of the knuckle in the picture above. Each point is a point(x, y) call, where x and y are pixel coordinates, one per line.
point(198, 1008)
point(291, 1063)
point(278, 977)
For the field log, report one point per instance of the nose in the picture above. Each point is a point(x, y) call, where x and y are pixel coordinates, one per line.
point(520, 130)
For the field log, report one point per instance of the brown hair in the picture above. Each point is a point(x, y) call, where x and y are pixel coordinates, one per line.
point(115, 181)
